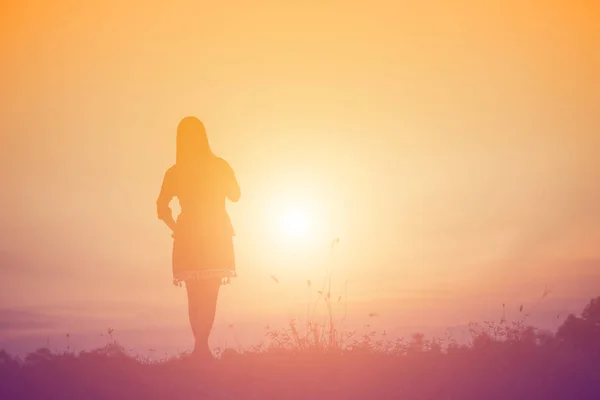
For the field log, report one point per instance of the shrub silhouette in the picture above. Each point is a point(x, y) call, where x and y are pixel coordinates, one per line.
point(591, 312)
point(582, 333)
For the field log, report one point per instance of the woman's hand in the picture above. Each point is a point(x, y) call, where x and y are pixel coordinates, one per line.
point(172, 226)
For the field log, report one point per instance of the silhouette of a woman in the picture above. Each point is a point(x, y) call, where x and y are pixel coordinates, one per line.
point(203, 256)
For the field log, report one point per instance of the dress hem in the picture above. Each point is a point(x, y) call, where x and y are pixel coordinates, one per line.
point(184, 276)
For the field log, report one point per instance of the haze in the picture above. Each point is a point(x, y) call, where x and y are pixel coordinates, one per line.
point(450, 146)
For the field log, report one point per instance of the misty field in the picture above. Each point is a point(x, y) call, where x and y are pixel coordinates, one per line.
point(503, 360)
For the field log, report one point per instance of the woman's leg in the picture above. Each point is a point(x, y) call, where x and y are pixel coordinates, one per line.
point(202, 307)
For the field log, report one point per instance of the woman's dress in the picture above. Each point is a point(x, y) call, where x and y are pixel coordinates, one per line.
point(203, 237)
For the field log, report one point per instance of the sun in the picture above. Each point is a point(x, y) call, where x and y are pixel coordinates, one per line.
point(295, 223)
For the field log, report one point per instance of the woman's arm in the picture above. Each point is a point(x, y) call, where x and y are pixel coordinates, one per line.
point(232, 186)
point(167, 193)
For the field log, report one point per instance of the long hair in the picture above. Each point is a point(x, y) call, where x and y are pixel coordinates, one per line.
point(192, 143)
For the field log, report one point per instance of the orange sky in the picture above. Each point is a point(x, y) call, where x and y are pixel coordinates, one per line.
point(452, 146)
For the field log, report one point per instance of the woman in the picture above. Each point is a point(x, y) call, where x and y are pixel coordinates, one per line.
point(203, 256)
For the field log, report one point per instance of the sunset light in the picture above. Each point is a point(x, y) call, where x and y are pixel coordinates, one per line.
point(300, 199)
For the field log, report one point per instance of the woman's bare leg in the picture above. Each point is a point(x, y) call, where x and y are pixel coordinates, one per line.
point(202, 307)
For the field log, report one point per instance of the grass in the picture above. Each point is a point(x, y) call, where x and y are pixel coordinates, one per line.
point(501, 361)
point(320, 359)
point(509, 362)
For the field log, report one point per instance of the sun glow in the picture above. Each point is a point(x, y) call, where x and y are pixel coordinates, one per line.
point(295, 223)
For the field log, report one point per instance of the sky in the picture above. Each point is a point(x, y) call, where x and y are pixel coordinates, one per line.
point(450, 146)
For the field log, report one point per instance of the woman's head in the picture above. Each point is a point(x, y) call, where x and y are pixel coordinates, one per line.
point(192, 142)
